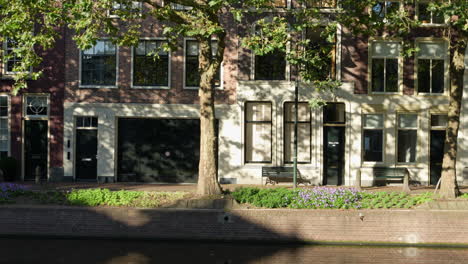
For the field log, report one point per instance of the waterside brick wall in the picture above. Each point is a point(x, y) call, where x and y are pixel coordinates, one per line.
point(372, 226)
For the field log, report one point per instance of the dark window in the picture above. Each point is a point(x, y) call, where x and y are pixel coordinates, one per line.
point(150, 64)
point(428, 17)
point(334, 113)
point(258, 132)
point(98, 64)
point(271, 66)
point(431, 64)
point(303, 133)
point(4, 127)
point(382, 9)
point(86, 122)
point(192, 73)
point(36, 106)
point(439, 120)
point(373, 137)
point(407, 138)
point(384, 75)
point(317, 49)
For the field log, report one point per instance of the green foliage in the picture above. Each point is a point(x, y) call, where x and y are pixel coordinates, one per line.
point(464, 196)
point(394, 200)
point(270, 198)
point(96, 197)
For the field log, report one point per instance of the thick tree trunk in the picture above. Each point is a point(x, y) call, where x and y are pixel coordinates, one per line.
point(449, 187)
point(207, 171)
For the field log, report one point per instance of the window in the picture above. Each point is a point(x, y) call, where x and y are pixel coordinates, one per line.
point(150, 64)
point(271, 66)
point(180, 7)
point(36, 106)
point(303, 133)
point(119, 7)
point(86, 122)
point(99, 65)
point(372, 139)
point(439, 121)
point(428, 17)
point(13, 60)
point(407, 138)
point(4, 127)
point(258, 132)
point(385, 67)
point(318, 3)
point(431, 67)
point(384, 8)
point(334, 113)
point(318, 46)
point(192, 73)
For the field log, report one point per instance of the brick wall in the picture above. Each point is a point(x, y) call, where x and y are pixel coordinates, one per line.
point(376, 226)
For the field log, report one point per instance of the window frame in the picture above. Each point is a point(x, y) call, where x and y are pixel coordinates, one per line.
point(430, 24)
point(384, 19)
point(5, 50)
point(25, 106)
point(96, 86)
point(258, 122)
point(446, 71)
point(110, 15)
point(371, 56)
point(83, 127)
point(417, 128)
point(169, 72)
point(285, 123)
point(221, 69)
point(8, 122)
point(364, 128)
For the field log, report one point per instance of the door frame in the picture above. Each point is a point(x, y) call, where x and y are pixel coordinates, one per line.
point(75, 139)
point(25, 118)
point(324, 145)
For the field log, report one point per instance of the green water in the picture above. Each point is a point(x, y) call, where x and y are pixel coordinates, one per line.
point(136, 252)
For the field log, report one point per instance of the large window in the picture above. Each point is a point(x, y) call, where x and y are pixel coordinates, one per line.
point(303, 133)
point(428, 17)
point(385, 67)
point(12, 60)
point(372, 139)
point(150, 64)
point(4, 127)
point(407, 138)
point(271, 66)
point(319, 47)
point(99, 65)
point(258, 132)
point(192, 73)
point(431, 67)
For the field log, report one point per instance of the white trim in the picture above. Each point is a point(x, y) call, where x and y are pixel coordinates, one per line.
point(446, 66)
point(417, 129)
point(169, 74)
point(370, 65)
point(382, 128)
point(99, 86)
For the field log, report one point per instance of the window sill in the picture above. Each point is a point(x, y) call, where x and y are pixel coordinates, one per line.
point(433, 94)
point(385, 93)
point(433, 25)
point(97, 87)
point(371, 164)
point(196, 88)
point(150, 87)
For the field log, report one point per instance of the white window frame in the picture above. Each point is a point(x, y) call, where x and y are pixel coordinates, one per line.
point(382, 128)
point(25, 106)
point(221, 70)
point(430, 24)
point(5, 62)
point(99, 86)
point(244, 128)
point(169, 54)
point(417, 128)
point(139, 5)
point(371, 56)
point(7, 117)
point(446, 59)
point(286, 122)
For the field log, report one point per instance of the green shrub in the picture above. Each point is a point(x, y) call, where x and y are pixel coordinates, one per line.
point(95, 197)
point(270, 198)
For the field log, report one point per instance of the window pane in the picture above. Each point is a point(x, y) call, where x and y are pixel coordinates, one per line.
point(98, 65)
point(303, 142)
point(424, 15)
point(258, 142)
point(437, 19)
point(432, 50)
point(439, 120)
point(408, 121)
point(437, 76)
point(373, 145)
point(334, 113)
point(378, 75)
point(150, 69)
point(192, 48)
point(373, 121)
point(424, 77)
point(303, 114)
point(270, 66)
point(407, 141)
point(36, 106)
point(3, 124)
point(391, 77)
point(258, 112)
point(386, 49)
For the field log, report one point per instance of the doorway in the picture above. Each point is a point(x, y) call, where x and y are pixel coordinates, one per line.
point(334, 143)
point(436, 149)
point(86, 148)
point(35, 149)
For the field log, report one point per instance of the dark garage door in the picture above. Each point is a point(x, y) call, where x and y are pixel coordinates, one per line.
point(158, 150)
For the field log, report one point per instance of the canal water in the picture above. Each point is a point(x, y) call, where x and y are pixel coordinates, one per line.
point(143, 252)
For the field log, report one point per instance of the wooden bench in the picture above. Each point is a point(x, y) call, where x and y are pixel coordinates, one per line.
point(385, 173)
point(274, 175)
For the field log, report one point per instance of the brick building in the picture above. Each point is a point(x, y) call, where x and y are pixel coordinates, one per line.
point(129, 118)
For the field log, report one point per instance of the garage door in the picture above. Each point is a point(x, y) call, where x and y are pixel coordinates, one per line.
point(158, 150)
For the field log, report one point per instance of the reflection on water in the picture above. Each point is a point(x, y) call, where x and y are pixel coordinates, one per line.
point(142, 252)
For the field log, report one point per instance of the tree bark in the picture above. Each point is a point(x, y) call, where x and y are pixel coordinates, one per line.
point(207, 171)
point(449, 187)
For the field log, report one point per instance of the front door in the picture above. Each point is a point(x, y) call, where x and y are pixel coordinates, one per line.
point(334, 140)
point(436, 155)
point(86, 154)
point(35, 149)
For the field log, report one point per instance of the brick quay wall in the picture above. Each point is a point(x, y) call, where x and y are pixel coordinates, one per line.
point(313, 226)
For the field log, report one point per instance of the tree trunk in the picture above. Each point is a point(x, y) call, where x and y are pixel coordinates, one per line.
point(207, 171)
point(449, 187)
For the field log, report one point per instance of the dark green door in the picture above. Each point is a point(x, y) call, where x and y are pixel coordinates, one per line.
point(437, 154)
point(334, 139)
point(35, 148)
point(86, 154)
